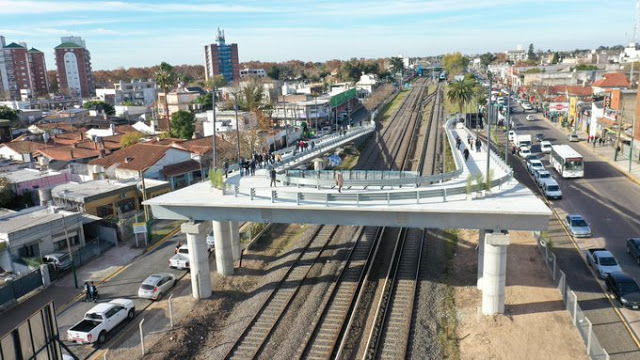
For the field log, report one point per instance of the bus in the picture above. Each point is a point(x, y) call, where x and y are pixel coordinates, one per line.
point(567, 162)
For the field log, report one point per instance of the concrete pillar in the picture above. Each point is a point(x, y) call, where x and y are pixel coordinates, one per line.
point(44, 272)
point(224, 253)
point(480, 258)
point(235, 239)
point(494, 275)
point(198, 259)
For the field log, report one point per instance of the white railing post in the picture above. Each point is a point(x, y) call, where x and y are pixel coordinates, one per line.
point(170, 311)
point(589, 337)
point(575, 307)
point(141, 336)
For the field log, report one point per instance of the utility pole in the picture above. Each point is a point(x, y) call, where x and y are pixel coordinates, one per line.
point(506, 142)
point(489, 108)
point(286, 126)
point(215, 153)
point(73, 265)
point(235, 97)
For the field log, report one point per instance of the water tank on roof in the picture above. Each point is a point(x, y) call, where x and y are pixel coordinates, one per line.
point(45, 196)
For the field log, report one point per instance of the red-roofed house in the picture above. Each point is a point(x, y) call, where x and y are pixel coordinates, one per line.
point(610, 81)
point(21, 150)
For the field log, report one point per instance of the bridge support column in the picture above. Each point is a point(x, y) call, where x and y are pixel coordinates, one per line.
point(198, 259)
point(235, 239)
point(224, 253)
point(494, 274)
point(480, 257)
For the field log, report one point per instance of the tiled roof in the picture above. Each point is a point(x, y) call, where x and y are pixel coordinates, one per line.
point(14, 46)
point(618, 80)
point(34, 50)
point(198, 146)
point(135, 157)
point(57, 125)
point(180, 168)
point(24, 147)
point(68, 45)
point(572, 90)
point(69, 153)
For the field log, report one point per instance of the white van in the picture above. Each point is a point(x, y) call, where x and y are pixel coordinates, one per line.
point(545, 146)
point(512, 135)
point(551, 190)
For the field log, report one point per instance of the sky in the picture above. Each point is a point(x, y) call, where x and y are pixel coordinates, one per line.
point(144, 33)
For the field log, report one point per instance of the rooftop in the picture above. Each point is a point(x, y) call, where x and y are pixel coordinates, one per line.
point(68, 45)
point(23, 175)
point(81, 192)
point(135, 157)
point(27, 218)
point(615, 80)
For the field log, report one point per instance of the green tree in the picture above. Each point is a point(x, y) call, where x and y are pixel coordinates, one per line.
point(165, 79)
point(582, 67)
point(100, 106)
point(274, 72)
point(531, 54)
point(182, 124)
point(205, 101)
point(250, 96)
point(555, 58)
point(397, 65)
point(454, 64)
point(6, 192)
point(9, 114)
point(129, 103)
point(131, 138)
point(486, 59)
point(461, 92)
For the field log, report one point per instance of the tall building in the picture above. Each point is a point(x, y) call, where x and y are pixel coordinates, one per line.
point(221, 58)
point(74, 67)
point(23, 73)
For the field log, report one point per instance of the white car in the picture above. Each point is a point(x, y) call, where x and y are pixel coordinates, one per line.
point(527, 106)
point(524, 152)
point(551, 190)
point(530, 117)
point(512, 135)
point(573, 137)
point(181, 259)
point(534, 165)
point(541, 177)
point(545, 146)
point(211, 241)
point(155, 286)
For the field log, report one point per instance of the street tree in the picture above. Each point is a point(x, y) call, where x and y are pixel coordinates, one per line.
point(182, 124)
point(100, 106)
point(454, 64)
point(131, 138)
point(7, 113)
point(486, 59)
point(531, 54)
point(397, 65)
point(461, 92)
point(6, 192)
point(166, 80)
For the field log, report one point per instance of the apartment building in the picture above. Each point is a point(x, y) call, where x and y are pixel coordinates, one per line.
point(23, 72)
point(74, 67)
point(222, 59)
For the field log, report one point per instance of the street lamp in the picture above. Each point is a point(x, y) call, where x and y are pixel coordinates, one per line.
point(489, 108)
point(286, 126)
point(215, 154)
point(235, 98)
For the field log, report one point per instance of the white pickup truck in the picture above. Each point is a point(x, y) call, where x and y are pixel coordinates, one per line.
point(101, 319)
point(181, 259)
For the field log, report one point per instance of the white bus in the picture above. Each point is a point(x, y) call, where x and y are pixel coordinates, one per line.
point(567, 162)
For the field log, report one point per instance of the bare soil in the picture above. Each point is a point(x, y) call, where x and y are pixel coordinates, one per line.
point(535, 324)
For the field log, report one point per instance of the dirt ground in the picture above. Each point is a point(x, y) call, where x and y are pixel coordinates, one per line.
point(535, 324)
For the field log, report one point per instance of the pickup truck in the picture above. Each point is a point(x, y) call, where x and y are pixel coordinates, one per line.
point(101, 319)
point(602, 261)
point(181, 259)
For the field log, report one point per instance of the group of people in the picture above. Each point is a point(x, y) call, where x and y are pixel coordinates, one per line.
point(302, 146)
point(596, 140)
point(470, 145)
point(90, 291)
point(258, 160)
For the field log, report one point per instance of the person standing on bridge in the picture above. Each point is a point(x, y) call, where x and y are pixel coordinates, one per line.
point(272, 175)
point(478, 145)
point(339, 181)
point(225, 167)
point(466, 154)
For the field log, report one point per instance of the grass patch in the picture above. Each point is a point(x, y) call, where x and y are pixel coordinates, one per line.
point(279, 236)
point(350, 159)
point(158, 234)
point(392, 106)
point(449, 107)
point(449, 162)
point(447, 331)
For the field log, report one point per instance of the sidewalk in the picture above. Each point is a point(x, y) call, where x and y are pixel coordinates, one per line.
point(605, 153)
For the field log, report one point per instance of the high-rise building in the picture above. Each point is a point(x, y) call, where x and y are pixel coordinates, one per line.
point(23, 73)
point(74, 67)
point(221, 58)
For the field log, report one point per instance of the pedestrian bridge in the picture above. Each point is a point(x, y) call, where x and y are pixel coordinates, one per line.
point(446, 201)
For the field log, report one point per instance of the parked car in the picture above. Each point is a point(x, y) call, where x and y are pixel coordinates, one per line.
point(512, 135)
point(539, 137)
point(181, 259)
point(624, 288)
point(545, 146)
point(530, 117)
point(60, 261)
point(211, 241)
point(540, 176)
point(602, 261)
point(100, 320)
point(524, 151)
point(527, 106)
point(551, 189)
point(573, 137)
point(578, 226)
point(633, 248)
point(155, 286)
point(533, 165)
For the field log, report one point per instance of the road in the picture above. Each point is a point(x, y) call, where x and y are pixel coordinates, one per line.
point(125, 285)
point(610, 203)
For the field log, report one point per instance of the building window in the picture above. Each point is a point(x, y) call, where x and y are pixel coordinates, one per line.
point(126, 205)
point(29, 251)
point(104, 210)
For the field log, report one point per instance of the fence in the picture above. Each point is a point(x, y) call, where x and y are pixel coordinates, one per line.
point(570, 299)
point(15, 289)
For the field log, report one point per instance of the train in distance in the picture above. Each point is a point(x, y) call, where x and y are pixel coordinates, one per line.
point(443, 76)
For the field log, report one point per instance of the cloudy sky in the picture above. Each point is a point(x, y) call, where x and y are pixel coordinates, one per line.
point(145, 33)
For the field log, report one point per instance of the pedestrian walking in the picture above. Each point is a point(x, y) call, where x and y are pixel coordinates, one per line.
point(94, 292)
point(87, 291)
point(241, 167)
point(178, 245)
point(478, 145)
point(593, 142)
point(466, 154)
point(225, 168)
point(272, 175)
point(471, 145)
point(339, 181)
point(469, 139)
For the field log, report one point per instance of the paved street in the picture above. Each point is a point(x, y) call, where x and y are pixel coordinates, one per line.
point(610, 202)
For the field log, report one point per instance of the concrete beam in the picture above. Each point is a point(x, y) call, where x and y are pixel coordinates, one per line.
point(198, 259)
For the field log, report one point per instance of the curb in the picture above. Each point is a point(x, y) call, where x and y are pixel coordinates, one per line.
point(165, 238)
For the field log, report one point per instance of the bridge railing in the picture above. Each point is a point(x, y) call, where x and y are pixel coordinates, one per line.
point(418, 195)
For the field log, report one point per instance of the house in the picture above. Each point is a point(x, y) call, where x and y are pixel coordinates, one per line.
point(35, 232)
point(368, 83)
point(177, 100)
point(21, 151)
point(27, 180)
point(610, 81)
point(155, 160)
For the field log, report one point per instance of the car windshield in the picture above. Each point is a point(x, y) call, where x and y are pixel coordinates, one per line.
point(572, 164)
point(626, 287)
point(552, 188)
point(579, 223)
point(608, 261)
point(544, 176)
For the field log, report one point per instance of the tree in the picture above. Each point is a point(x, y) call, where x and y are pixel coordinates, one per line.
point(250, 96)
point(397, 65)
point(129, 103)
point(182, 124)
point(531, 54)
point(9, 114)
point(555, 58)
point(165, 79)
point(461, 92)
point(454, 64)
point(100, 106)
point(6, 192)
point(486, 59)
point(131, 138)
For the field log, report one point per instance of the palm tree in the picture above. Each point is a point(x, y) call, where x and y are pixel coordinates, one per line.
point(461, 92)
point(397, 64)
point(166, 80)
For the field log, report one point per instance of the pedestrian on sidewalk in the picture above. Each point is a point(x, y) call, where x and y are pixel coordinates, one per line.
point(339, 181)
point(466, 154)
point(471, 145)
point(94, 292)
point(469, 139)
point(225, 167)
point(272, 175)
point(87, 291)
point(478, 145)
